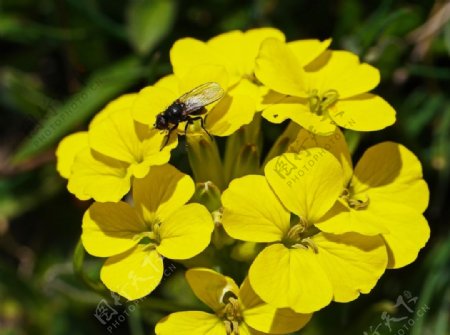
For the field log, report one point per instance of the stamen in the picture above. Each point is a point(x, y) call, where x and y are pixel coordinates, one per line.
point(295, 231)
point(152, 234)
point(217, 217)
point(228, 327)
point(235, 327)
point(310, 243)
point(329, 98)
point(319, 105)
point(314, 102)
point(155, 232)
point(299, 236)
point(231, 314)
point(354, 203)
point(359, 204)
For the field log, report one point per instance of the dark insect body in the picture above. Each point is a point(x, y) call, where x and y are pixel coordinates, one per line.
point(188, 108)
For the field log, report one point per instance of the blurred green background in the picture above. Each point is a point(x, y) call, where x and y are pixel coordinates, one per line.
point(62, 60)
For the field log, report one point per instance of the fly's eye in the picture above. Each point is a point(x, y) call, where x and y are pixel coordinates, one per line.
point(160, 122)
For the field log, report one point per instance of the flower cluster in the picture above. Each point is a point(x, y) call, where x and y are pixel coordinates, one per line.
point(303, 229)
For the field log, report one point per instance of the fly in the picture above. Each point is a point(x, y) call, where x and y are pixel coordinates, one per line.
point(188, 108)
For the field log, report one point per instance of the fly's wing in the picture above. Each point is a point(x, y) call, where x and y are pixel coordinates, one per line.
point(201, 96)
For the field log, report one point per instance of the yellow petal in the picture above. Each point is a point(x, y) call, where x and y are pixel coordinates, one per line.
point(298, 111)
point(67, 150)
point(390, 173)
point(170, 82)
point(269, 97)
point(342, 219)
point(308, 183)
point(341, 71)
point(252, 212)
point(151, 101)
point(190, 323)
point(162, 192)
point(110, 229)
point(151, 153)
point(234, 110)
point(116, 137)
point(245, 329)
point(290, 278)
point(230, 47)
point(408, 233)
point(266, 318)
point(210, 286)
point(133, 274)
point(186, 232)
point(352, 262)
point(365, 112)
point(252, 43)
point(334, 143)
point(202, 74)
point(100, 177)
point(187, 53)
point(122, 103)
point(278, 107)
point(308, 50)
point(120, 137)
point(278, 68)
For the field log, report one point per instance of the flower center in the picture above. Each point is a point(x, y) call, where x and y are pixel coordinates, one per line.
point(357, 202)
point(231, 313)
point(319, 104)
point(299, 235)
point(152, 235)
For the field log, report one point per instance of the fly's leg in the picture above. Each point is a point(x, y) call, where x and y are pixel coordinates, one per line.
point(202, 125)
point(168, 136)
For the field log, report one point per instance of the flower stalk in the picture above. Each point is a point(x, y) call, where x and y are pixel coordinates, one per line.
point(204, 157)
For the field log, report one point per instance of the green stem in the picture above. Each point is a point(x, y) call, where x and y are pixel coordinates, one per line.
point(78, 262)
point(352, 138)
point(135, 322)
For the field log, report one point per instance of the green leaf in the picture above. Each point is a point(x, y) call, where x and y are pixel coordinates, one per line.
point(149, 22)
point(18, 30)
point(100, 88)
point(23, 192)
point(447, 37)
point(90, 10)
point(23, 92)
point(435, 285)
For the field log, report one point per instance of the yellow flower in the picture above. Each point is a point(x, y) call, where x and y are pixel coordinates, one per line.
point(69, 147)
point(331, 90)
point(101, 162)
point(72, 144)
point(224, 117)
point(385, 193)
point(227, 59)
point(235, 50)
point(135, 239)
point(302, 268)
point(237, 310)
